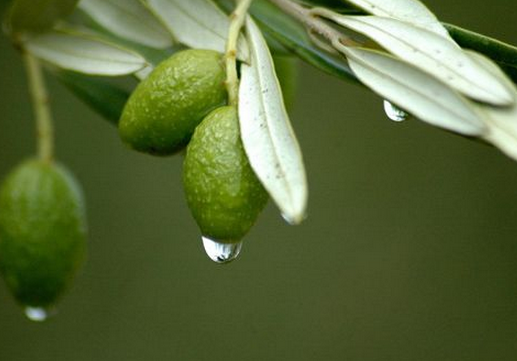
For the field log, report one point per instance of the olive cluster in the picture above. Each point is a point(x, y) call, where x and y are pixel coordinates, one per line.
point(183, 102)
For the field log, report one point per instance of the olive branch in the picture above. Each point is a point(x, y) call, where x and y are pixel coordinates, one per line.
point(397, 48)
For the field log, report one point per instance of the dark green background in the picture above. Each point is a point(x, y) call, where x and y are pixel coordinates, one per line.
point(409, 252)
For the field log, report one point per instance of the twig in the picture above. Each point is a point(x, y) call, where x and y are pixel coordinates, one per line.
point(41, 108)
point(236, 22)
point(313, 23)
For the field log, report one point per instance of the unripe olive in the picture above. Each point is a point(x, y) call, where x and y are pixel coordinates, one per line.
point(165, 108)
point(42, 232)
point(222, 191)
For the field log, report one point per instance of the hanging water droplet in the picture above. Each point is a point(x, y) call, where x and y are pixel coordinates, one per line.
point(221, 252)
point(36, 314)
point(394, 113)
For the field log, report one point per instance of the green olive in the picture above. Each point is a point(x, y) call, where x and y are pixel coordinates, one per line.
point(222, 191)
point(165, 108)
point(42, 232)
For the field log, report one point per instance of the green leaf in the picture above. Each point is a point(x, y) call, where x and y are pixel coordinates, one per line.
point(501, 122)
point(83, 23)
point(410, 11)
point(197, 24)
point(266, 132)
point(336, 5)
point(129, 20)
point(36, 16)
point(431, 53)
point(106, 98)
point(504, 54)
point(85, 54)
point(293, 36)
point(415, 91)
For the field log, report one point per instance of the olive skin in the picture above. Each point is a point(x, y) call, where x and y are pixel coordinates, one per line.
point(222, 191)
point(42, 232)
point(165, 108)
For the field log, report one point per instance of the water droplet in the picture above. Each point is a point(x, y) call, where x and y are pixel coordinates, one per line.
point(221, 252)
point(394, 113)
point(36, 314)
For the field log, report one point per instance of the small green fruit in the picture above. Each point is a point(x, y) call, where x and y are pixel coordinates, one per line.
point(165, 108)
point(223, 193)
point(42, 232)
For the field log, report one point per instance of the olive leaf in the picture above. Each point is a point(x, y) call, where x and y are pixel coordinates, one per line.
point(130, 20)
point(504, 54)
point(196, 23)
point(84, 53)
point(430, 52)
point(410, 11)
point(501, 122)
point(83, 23)
point(267, 135)
point(35, 16)
point(293, 36)
point(415, 91)
point(99, 93)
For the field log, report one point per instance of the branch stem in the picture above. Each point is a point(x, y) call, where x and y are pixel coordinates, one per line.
point(237, 19)
point(313, 23)
point(41, 108)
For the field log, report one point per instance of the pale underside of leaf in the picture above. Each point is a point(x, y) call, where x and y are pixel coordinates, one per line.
point(410, 11)
point(84, 54)
point(433, 54)
point(415, 91)
point(267, 135)
point(198, 24)
point(501, 122)
point(130, 20)
point(144, 73)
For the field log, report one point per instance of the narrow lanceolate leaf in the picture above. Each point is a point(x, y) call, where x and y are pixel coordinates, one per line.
point(504, 54)
point(415, 91)
point(266, 132)
point(501, 122)
point(293, 36)
point(431, 53)
point(144, 73)
point(104, 97)
point(36, 16)
point(196, 23)
point(130, 20)
point(84, 54)
point(410, 11)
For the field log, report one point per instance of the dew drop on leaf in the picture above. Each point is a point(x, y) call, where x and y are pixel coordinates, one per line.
point(221, 252)
point(394, 113)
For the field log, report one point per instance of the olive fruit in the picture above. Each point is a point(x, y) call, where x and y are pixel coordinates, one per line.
point(165, 108)
point(42, 232)
point(222, 191)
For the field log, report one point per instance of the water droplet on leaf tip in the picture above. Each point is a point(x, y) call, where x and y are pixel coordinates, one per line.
point(394, 113)
point(221, 252)
point(37, 314)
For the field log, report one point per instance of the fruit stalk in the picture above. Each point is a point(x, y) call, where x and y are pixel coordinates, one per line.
point(41, 107)
point(236, 22)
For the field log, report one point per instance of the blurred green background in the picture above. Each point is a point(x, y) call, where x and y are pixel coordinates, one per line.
point(409, 251)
